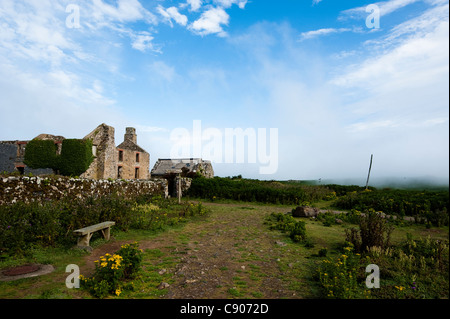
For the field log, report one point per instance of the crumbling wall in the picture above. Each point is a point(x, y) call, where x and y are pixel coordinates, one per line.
point(27, 189)
point(11, 158)
point(104, 164)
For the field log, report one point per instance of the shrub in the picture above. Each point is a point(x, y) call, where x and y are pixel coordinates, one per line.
point(298, 231)
point(338, 276)
point(287, 223)
point(374, 231)
point(41, 154)
point(132, 259)
point(111, 271)
point(76, 156)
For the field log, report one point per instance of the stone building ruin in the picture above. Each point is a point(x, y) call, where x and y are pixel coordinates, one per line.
point(126, 161)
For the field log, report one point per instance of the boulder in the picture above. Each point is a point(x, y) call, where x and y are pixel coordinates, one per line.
point(305, 211)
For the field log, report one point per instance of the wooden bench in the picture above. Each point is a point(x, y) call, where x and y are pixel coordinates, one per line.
point(86, 233)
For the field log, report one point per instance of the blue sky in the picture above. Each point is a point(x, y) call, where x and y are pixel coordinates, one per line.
point(336, 90)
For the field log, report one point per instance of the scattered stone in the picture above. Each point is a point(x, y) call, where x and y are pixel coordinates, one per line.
point(162, 271)
point(280, 243)
point(163, 285)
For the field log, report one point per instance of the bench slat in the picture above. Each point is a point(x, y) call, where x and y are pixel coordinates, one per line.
point(92, 228)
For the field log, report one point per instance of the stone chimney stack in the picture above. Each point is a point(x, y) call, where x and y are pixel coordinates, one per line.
point(130, 134)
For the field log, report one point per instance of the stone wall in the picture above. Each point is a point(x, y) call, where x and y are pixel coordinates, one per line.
point(12, 156)
point(129, 164)
point(27, 189)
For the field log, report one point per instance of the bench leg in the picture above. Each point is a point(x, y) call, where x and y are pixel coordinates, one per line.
point(83, 241)
point(106, 233)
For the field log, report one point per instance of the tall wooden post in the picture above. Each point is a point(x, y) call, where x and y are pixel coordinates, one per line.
point(179, 189)
point(370, 167)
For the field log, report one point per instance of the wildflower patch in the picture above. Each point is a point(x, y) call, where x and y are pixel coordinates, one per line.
point(112, 272)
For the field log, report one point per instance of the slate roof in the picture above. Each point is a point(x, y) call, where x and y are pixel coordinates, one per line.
point(164, 166)
point(129, 145)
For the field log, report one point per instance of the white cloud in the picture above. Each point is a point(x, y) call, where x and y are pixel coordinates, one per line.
point(172, 13)
point(228, 3)
point(126, 11)
point(386, 7)
point(408, 61)
point(316, 2)
point(194, 4)
point(210, 22)
point(316, 33)
point(142, 41)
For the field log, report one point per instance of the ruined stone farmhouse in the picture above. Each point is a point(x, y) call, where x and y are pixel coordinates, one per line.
point(125, 161)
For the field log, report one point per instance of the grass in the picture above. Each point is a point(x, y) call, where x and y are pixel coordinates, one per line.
point(232, 245)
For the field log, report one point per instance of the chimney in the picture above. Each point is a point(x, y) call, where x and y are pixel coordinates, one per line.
point(130, 134)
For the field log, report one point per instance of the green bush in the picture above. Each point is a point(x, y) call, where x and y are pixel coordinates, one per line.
point(374, 231)
point(41, 154)
point(76, 156)
point(112, 270)
point(52, 223)
point(432, 206)
point(298, 231)
point(339, 276)
point(287, 223)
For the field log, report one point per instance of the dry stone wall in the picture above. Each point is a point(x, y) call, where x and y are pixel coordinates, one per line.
point(28, 189)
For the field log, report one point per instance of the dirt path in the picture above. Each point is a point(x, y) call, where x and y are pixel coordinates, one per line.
point(229, 254)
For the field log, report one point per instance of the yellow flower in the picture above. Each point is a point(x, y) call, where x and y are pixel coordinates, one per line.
point(104, 264)
point(118, 291)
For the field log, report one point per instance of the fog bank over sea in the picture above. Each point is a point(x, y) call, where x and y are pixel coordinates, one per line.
point(420, 182)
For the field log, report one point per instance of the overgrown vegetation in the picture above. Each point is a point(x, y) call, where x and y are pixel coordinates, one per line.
point(414, 269)
point(75, 158)
point(425, 206)
point(258, 191)
point(430, 207)
point(41, 154)
point(113, 272)
point(23, 226)
point(288, 224)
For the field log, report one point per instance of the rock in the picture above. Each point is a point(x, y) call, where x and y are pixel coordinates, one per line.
point(305, 211)
point(280, 243)
point(338, 221)
point(163, 285)
point(162, 271)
